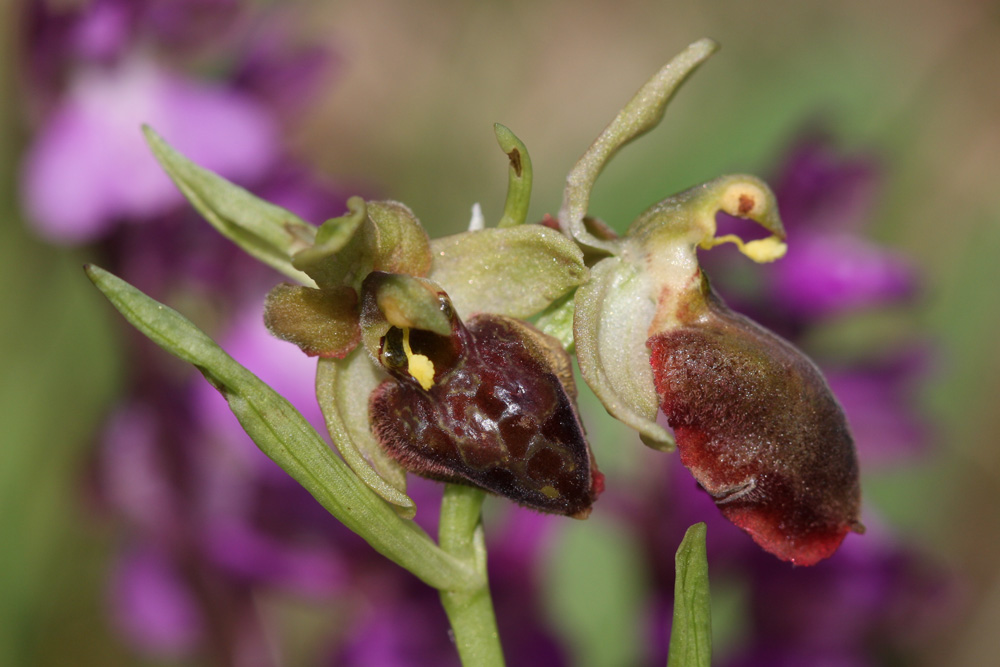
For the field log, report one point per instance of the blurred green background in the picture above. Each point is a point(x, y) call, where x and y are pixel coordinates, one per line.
point(411, 110)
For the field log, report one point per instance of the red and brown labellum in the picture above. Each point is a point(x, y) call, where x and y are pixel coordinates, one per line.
point(498, 413)
point(757, 425)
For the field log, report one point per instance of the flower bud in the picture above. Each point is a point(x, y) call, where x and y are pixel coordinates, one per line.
point(490, 405)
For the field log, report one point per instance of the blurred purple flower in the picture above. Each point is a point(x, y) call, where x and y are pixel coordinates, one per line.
point(152, 605)
point(880, 398)
point(835, 272)
point(89, 168)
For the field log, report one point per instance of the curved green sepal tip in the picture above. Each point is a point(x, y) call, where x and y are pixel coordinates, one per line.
point(519, 176)
point(642, 113)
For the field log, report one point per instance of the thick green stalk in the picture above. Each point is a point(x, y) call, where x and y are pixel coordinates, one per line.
point(288, 439)
point(470, 610)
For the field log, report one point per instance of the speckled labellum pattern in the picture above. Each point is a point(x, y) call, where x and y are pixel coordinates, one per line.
point(497, 415)
point(757, 425)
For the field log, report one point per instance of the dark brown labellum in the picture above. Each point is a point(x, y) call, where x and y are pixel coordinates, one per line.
point(758, 427)
point(487, 407)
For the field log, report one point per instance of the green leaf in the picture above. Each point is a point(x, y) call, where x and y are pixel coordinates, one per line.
point(519, 176)
point(516, 271)
point(610, 328)
point(691, 633)
point(267, 232)
point(342, 388)
point(288, 439)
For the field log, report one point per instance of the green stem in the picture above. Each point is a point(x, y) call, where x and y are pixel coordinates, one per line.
point(470, 610)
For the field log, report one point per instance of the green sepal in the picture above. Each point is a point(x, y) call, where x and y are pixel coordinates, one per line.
point(322, 322)
point(339, 256)
point(401, 244)
point(265, 231)
point(610, 328)
point(516, 271)
point(691, 632)
point(642, 113)
point(342, 389)
point(372, 236)
point(286, 437)
point(519, 177)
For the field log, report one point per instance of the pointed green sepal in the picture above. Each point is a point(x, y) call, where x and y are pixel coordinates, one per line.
point(265, 231)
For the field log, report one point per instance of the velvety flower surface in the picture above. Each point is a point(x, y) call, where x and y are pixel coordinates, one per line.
point(760, 430)
point(491, 406)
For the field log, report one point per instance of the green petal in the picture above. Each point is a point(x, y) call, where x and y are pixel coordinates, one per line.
point(323, 322)
point(267, 232)
point(613, 313)
point(516, 271)
point(691, 632)
point(401, 243)
point(342, 388)
point(288, 439)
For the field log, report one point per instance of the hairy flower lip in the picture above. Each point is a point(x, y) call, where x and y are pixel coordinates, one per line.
point(496, 411)
point(758, 427)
